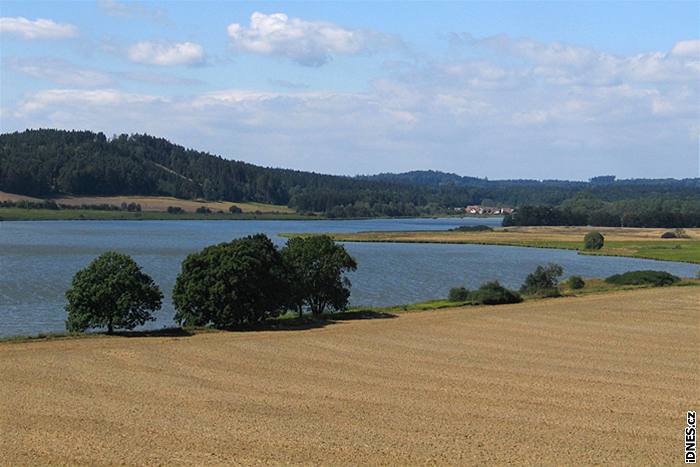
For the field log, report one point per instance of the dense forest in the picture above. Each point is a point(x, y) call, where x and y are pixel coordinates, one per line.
point(48, 163)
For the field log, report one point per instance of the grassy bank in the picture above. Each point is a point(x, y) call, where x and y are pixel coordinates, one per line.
point(17, 214)
point(630, 242)
point(592, 287)
point(292, 321)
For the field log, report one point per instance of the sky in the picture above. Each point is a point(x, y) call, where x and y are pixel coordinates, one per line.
point(553, 90)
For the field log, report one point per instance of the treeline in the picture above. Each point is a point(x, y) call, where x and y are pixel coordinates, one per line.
point(54, 206)
point(46, 163)
point(683, 213)
point(543, 192)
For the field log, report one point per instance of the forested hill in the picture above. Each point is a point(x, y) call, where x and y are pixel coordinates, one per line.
point(46, 163)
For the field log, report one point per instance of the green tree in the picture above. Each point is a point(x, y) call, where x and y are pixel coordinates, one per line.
point(458, 294)
point(111, 292)
point(316, 267)
point(543, 280)
point(593, 241)
point(230, 284)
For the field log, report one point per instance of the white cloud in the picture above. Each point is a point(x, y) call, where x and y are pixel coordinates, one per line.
point(36, 29)
point(162, 53)
point(59, 72)
point(690, 48)
point(309, 43)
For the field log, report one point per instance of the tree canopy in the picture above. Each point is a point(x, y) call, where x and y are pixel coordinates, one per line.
point(111, 292)
point(316, 265)
point(543, 280)
point(593, 241)
point(229, 284)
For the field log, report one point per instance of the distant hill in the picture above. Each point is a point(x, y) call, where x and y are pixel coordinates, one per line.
point(49, 163)
point(426, 177)
point(437, 178)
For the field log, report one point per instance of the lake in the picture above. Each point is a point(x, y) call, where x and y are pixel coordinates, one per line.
point(38, 260)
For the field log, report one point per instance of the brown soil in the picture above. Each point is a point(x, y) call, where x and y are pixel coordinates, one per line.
point(602, 379)
point(13, 197)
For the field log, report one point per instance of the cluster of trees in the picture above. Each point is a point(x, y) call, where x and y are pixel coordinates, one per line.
point(245, 281)
point(489, 293)
point(204, 210)
point(25, 204)
point(44, 163)
point(542, 282)
point(54, 206)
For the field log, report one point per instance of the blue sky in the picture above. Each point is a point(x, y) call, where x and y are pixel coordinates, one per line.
point(497, 89)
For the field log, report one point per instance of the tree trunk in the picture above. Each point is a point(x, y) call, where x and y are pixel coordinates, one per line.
point(110, 327)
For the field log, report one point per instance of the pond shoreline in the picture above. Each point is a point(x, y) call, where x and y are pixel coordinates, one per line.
point(620, 242)
point(40, 258)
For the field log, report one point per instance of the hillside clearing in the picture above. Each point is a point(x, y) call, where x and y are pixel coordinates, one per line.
point(157, 203)
point(597, 379)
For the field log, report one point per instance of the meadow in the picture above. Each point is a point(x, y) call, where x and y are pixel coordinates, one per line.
point(632, 242)
point(504, 384)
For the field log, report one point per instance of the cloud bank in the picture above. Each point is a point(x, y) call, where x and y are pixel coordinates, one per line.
point(498, 106)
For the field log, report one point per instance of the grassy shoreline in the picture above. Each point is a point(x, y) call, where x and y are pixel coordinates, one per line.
point(291, 321)
point(633, 243)
point(17, 214)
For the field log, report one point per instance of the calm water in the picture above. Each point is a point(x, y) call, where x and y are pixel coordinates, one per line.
point(38, 260)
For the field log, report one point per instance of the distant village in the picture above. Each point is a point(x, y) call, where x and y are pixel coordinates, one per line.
point(484, 210)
